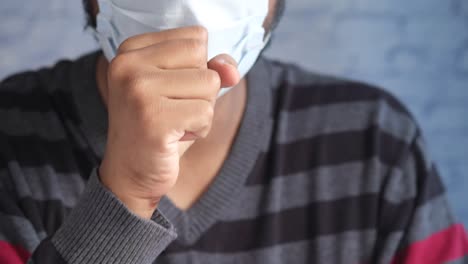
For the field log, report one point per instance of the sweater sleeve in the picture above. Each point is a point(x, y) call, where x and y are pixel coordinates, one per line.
point(100, 229)
point(416, 224)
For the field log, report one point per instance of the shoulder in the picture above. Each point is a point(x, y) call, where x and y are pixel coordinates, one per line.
point(41, 89)
point(298, 89)
point(39, 143)
point(34, 90)
point(27, 100)
point(46, 91)
point(35, 113)
point(338, 119)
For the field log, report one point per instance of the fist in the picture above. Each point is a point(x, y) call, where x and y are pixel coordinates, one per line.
point(161, 96)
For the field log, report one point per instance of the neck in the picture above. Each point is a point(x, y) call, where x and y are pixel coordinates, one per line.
point(202, 161)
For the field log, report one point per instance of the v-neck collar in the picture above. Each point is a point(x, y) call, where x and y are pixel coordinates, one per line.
point(254, 131)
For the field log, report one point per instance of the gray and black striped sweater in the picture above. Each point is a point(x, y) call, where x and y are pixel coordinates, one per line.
point(322, 170)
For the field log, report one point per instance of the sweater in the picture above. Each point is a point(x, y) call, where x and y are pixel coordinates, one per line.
point(322, 170)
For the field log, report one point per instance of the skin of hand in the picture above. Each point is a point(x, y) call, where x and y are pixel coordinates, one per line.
point(160, 99)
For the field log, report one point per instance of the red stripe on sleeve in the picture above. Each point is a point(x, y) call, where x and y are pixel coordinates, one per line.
point(447, 245)
point(10, 254)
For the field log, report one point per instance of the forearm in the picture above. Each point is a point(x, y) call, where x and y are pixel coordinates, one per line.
point(100, 229)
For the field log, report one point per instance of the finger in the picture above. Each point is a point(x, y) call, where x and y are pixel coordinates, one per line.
point(172, 54)
point(148, 39)
point(226, 67)
point(188, 116)
point(189, 84)
point(189, 136)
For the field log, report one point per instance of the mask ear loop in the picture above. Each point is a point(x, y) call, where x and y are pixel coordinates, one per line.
point(266, 39)
point(105, 32)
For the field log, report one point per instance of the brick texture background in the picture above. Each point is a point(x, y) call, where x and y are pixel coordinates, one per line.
point(416, 49)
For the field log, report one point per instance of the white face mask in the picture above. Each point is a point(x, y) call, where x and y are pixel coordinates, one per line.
point(235, 27)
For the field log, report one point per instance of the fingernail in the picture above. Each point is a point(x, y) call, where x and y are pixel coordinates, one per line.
point(222, 61)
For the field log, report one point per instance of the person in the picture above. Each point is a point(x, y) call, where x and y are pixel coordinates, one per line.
point(134, 154)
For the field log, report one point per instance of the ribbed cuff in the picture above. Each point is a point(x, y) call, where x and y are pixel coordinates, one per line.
point(100, 229)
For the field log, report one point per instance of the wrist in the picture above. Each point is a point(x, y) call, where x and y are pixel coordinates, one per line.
point(142, 207)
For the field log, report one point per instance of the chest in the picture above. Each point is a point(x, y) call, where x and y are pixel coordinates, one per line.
point(319, 217)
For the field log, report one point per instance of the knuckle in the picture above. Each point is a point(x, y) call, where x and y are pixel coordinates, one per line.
point(201, 32)
point(137, 99)
point(136, 95)
point(212, 78)
point(126, 45)
point(207, 112)
point(195, 46)
point(204, 133)
point(160, 140)
point(120, 68)
point(205, 130)
point(117, 66)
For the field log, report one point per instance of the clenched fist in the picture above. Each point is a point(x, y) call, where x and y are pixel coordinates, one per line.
point(161, 96)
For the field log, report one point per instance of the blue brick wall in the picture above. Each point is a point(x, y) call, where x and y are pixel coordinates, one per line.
point(417, 49)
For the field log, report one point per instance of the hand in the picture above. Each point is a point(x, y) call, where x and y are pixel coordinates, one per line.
point(161, 97)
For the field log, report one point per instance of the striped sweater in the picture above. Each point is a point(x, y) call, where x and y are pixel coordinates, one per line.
point(322, 170)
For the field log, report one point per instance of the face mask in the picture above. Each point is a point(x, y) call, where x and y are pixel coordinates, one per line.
point(235, 27)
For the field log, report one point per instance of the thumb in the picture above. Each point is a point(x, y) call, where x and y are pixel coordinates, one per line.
point(226, 67)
